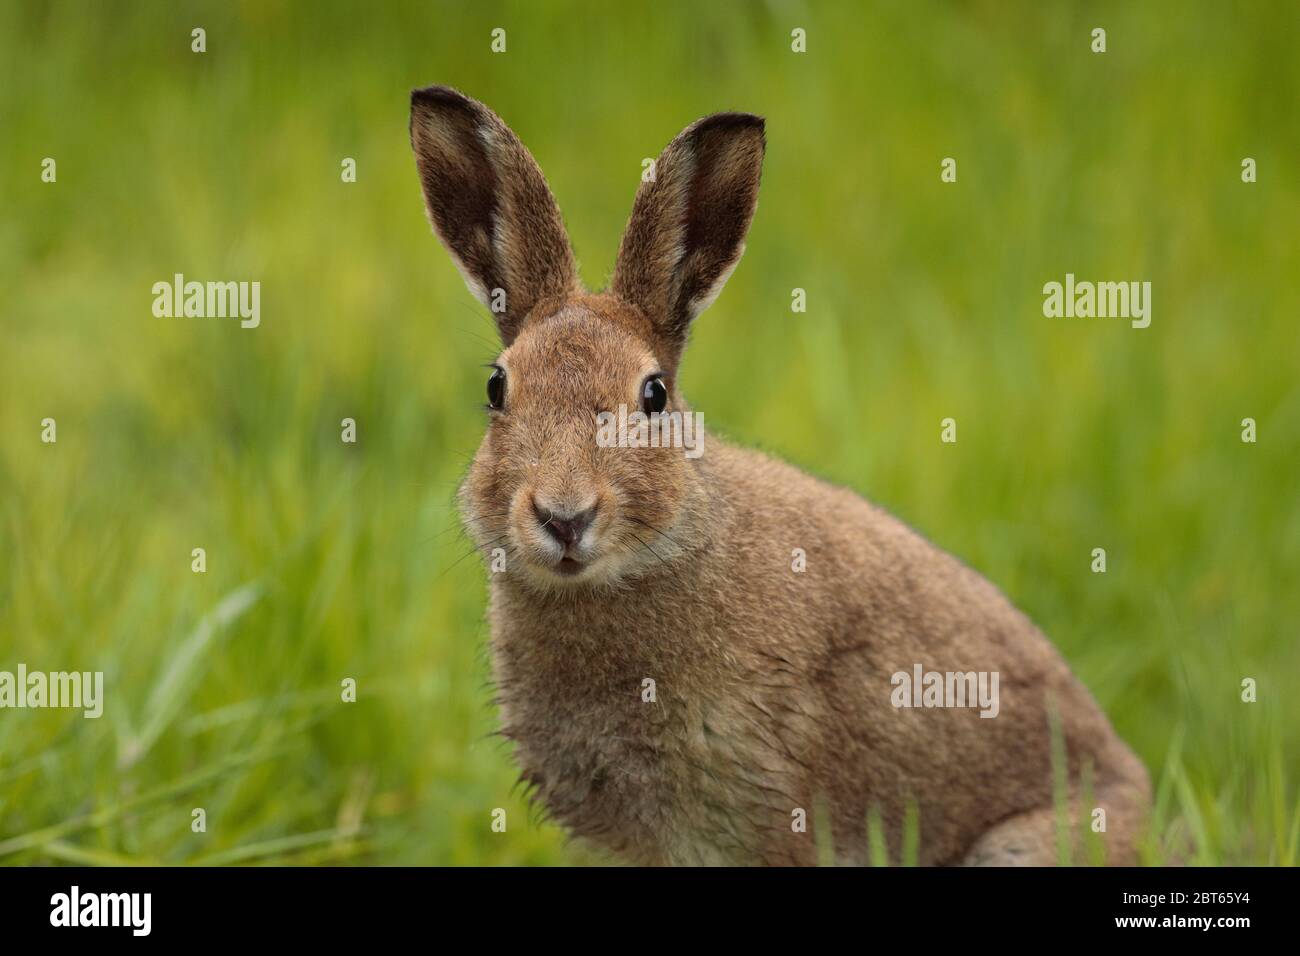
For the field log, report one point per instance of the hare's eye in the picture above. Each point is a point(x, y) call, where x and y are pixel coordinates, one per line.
point(496, 389)
point(654, 395)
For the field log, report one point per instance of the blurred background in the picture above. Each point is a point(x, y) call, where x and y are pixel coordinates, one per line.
point(327, 560)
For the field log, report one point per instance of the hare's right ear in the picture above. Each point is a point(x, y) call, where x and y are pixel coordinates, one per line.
point(490, 206)
point(688, 224)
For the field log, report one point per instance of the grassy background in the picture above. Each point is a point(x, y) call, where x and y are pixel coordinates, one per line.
point(328, 561)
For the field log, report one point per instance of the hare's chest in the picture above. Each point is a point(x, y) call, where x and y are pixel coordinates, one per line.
point(624, 755)
point(602, 760)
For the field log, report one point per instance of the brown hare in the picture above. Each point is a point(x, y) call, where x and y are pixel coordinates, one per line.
point(698, 654)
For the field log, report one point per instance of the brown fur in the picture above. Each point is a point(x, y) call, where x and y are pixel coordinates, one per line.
point(773, 688)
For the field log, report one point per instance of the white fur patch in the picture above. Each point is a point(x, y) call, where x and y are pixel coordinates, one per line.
point(706, 299)
point(476, 287)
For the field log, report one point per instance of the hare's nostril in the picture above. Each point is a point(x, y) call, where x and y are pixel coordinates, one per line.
point(564, 527)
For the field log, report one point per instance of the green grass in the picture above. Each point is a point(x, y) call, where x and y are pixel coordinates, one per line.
point(328, 561)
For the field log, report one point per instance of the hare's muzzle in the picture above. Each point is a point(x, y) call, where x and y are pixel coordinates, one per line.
point(564, 529)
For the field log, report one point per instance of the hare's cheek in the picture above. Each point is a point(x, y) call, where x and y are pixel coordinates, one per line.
point(671, 477)
point(487, 487)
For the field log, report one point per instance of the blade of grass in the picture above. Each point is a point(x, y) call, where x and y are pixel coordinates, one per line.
point(169, 692)
point(50, 834)
point(274, 847)
point(876, 845)
point(84, 856)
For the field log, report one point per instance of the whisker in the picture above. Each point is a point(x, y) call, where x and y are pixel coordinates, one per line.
point(646, 524)
point(488, 546)
point(671, 569)
point(458, 527)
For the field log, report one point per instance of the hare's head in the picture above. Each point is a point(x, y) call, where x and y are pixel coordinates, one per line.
point(568, 507)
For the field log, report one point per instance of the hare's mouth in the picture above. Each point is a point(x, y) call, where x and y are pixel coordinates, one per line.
point(569, 566)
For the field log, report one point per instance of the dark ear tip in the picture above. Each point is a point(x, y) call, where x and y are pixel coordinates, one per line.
point(440, 98)
point(733, 121)
point(729, 125)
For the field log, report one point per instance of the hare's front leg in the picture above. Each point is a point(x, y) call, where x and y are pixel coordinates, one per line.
point(1030, 838)
point(1027, 839)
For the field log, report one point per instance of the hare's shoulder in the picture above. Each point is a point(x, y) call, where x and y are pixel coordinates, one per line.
point(769, 500)
point(826, 547)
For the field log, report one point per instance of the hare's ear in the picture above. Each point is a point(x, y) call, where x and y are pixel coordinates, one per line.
point(490, 206)
point(688, 224)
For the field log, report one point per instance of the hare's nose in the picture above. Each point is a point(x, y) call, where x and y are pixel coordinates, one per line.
point(564, 527)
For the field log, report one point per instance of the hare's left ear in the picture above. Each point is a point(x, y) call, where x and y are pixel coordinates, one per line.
point(688, 224)
point(490, 205)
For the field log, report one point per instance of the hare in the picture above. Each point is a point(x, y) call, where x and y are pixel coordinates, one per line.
point(705, 659)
